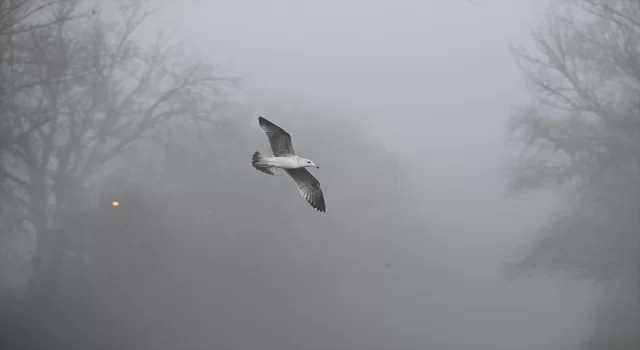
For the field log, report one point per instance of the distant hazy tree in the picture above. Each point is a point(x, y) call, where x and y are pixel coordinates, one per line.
point(101, 93)
point(581, 136)
point(18, 19)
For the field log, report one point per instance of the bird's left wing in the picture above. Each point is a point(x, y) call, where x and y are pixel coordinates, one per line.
point(279, 139)
point(309, 187)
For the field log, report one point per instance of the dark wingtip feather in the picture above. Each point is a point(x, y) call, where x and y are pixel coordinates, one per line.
point(266, 123)
point(319, 205)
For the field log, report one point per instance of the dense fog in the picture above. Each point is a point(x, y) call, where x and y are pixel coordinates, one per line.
point(406, 107)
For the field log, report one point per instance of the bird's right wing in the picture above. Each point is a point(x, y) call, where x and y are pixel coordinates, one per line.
point(309, 187)
point(279, 139)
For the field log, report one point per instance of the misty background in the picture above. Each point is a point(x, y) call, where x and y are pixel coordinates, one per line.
point(405, 106)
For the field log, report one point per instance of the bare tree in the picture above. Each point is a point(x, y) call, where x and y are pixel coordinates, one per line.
point(14, 20)
point(17, 19)
point(580, 136)
point(101, 92)
point(580, 133)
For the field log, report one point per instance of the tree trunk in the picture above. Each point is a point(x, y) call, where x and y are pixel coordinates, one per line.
point(46, 258)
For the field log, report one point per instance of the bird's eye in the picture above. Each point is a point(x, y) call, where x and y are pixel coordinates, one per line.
point(308, 162)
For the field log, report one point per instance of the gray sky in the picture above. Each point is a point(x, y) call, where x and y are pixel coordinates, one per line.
point(435, 82)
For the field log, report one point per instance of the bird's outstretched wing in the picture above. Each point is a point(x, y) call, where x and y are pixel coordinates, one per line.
point(309, 187)
point(279, 139)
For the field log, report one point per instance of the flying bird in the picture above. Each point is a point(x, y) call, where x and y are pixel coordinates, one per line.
point(284, 157)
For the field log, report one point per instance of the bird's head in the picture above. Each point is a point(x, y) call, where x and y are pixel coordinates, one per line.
point(308, 163)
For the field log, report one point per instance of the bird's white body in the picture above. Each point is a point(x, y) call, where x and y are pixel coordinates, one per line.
point(288, 162)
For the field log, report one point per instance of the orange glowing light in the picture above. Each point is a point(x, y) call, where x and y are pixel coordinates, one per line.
point(115, 204)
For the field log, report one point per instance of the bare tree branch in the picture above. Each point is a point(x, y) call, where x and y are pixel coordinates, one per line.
point(580, 135)
point(101, 91)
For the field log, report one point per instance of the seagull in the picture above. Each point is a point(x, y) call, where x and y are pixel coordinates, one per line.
point(285, 157)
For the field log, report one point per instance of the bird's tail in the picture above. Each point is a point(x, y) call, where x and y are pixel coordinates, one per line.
point(259, 163)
